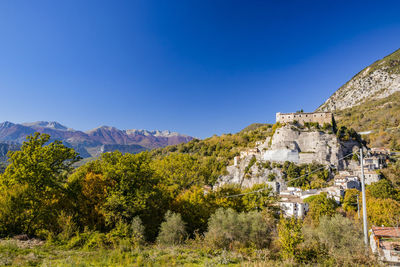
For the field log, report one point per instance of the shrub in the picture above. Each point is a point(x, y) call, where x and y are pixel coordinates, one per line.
point(172, 230)
point(271, 177)
point(336, 238)
point(120, 232)
point(253, 160)
point(137, 230)
point(228, 228)
point(96, 240)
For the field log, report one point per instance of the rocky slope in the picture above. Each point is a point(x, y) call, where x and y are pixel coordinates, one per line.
point(93, 142)
point(379, 80)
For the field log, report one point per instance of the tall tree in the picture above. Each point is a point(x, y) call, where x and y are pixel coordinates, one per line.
point(36, 179)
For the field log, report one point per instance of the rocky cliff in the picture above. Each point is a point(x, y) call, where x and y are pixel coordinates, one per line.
point(293, 144)
point(379, 80)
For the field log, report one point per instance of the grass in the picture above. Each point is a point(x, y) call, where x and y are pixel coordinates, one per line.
point(12, 254)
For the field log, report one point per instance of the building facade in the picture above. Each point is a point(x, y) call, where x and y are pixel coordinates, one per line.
point(319, 117)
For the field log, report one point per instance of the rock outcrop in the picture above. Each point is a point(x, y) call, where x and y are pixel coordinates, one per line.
point(377, 81)
point(288, 143)
point(307, 146)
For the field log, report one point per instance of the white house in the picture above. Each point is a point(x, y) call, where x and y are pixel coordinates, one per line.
point(293, 206)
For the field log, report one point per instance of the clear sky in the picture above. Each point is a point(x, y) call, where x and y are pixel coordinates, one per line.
point(196, 67)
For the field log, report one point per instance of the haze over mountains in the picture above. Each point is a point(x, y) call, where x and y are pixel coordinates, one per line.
point(95, 141)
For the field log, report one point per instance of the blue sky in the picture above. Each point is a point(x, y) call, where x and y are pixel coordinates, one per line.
point(196, 67)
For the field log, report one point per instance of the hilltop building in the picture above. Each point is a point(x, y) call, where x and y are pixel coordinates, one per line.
point(301, 117)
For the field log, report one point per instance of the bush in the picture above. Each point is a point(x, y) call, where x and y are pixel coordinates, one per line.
point(228, 228)
point(336, 238)
point(172, 231)
point(137, 230)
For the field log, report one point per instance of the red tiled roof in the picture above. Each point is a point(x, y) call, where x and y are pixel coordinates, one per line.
point(386, 231)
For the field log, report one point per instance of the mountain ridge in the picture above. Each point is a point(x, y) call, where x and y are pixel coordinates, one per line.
point(379, 80)
point(93, 142)
point(369, 102)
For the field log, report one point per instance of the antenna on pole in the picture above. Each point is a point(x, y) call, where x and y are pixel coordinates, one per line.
point(364, 201)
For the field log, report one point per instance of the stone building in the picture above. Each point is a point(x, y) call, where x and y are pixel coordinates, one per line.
point(348, 182)
point(301, 117)
point(385, 242)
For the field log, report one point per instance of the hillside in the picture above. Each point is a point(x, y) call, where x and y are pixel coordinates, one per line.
point(380, 117)
point(369, 102)
point(377, 81)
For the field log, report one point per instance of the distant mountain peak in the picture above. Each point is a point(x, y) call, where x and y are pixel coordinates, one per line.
point(6, 124)
point(103, 127)
point(47, 124)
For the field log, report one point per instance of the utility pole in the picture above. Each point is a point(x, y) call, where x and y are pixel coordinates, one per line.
point(364, 201)
point(358, 206)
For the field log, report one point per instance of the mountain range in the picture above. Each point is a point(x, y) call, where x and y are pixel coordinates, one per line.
point(92, 142)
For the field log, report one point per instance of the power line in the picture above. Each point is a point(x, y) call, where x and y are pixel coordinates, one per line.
point(265, 188)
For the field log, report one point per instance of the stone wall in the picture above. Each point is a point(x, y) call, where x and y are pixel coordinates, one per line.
point(320, 117)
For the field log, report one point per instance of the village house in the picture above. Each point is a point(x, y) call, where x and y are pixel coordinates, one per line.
point(375, 161)
point(301, 117)
point(370, 176)
point(293, 206)
point(348, 182)
point(385, 243)
point(380, 151)
point(334, 192)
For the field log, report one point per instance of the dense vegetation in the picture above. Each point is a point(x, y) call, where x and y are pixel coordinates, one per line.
point(381, 116)
point(149, 208)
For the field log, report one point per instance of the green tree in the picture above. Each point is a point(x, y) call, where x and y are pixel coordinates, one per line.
point(383, 211)
point(116, 188)
point(172, 231)
point(290, 237)
point(350, 199)
point(382, 189)
point(263, 198)
point(195, 207)
point(179, 172)
point(320, 205)
point(38, 172)
point(337, 240)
